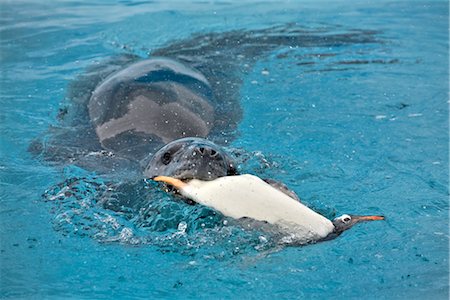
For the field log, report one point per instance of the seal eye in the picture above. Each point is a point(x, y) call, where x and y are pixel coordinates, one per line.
point(166, 158)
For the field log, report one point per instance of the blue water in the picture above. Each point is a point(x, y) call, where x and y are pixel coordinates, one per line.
point(352, 128)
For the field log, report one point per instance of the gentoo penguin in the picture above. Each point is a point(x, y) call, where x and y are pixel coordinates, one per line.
point(248, 196)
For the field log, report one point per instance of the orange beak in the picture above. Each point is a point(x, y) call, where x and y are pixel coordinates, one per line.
point(367, 218)
point(170, 180)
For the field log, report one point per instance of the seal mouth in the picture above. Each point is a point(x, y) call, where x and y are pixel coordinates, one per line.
point(172, 185)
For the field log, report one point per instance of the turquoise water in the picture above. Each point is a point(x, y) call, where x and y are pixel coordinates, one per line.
point(359, 126)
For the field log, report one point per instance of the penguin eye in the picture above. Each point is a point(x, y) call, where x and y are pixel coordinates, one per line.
point(166, 158)
point(345, 219)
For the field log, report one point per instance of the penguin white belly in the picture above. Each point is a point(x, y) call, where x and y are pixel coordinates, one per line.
point(249, 196)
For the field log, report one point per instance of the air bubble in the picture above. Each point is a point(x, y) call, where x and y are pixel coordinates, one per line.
point(182, 226)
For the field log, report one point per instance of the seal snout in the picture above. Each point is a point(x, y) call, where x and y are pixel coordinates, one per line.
point(206, 151)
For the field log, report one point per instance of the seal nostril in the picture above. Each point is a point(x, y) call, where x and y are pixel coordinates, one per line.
point(201, 150)
point(213, 153)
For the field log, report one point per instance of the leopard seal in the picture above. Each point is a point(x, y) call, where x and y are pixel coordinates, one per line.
point(160, 101)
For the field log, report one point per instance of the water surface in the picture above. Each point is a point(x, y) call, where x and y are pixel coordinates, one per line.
point(351, 127)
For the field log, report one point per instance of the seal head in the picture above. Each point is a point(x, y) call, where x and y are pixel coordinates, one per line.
point(190, 158)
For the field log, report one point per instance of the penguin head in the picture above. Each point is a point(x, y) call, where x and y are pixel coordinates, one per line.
point(345, 221)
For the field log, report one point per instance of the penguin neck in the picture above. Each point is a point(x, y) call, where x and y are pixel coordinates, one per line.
point(333, 234)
